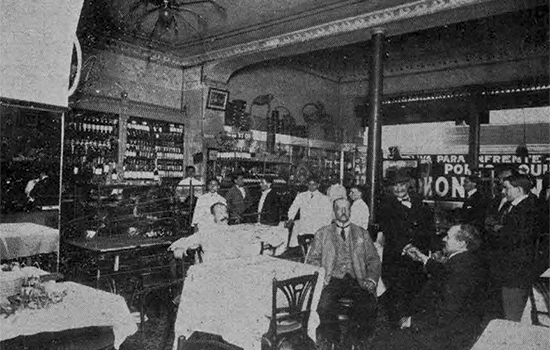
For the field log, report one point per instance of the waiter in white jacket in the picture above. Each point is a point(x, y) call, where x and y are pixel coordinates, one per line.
point(315, 211)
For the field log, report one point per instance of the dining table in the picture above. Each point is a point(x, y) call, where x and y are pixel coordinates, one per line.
point(81, 307)
point(23, 239)
point(509, 335)
point(232, 298)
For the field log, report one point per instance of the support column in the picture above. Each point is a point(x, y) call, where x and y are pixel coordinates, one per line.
point(374, 159)
point(474, 120)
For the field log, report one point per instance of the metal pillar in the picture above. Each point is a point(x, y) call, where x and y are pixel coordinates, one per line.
point(374, 154)
point(476, 109)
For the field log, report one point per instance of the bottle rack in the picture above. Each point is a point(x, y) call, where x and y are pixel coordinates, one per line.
point(91, 143)
point(154, 149)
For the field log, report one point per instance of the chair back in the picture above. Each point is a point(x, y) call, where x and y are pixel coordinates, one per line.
point(298, 292)
point(305, 242)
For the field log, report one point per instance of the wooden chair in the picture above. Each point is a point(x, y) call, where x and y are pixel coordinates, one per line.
point(305, 242)
point(292, 317)
point(541, 285)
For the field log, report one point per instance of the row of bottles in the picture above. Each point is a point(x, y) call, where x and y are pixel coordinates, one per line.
point(95, 122)
point(153, 147)
point(91, 145)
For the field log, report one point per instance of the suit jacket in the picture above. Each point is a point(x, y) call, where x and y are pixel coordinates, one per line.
point(449, 309)
point(236, 204)
point(365, 259)
point(402, 226)
point(474, 209)
point(512, 248)
point(271, 211)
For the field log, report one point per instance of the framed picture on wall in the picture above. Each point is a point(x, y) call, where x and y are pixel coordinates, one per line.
point(217, 99)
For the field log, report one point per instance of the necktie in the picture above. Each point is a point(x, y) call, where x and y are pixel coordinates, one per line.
point(343, 231)
point(312, 196)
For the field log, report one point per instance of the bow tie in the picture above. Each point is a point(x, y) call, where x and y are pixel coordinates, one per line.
point(406, 201)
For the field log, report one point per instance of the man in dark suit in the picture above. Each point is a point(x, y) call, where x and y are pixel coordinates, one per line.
point(448, 312)
point(238, 200)
point(269, 211)
point(352, 270)
point(403, 219)
point(475, 205)
point(512, 246)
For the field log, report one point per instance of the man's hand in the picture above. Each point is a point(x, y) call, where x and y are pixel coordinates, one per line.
point(405, 322)
point(414, 253)
point(370, 286)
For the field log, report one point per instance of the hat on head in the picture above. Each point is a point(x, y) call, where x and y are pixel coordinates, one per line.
point(396, 176)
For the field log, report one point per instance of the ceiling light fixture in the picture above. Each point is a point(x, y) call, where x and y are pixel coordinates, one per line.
point(174, 15)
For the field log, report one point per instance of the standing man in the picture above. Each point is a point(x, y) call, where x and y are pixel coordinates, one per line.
point(475, 205)
point(352, 270)
point(315, 211)
point(335, 191)
point(359, 209)
point(512, 247)
point(202, 215)
point(269, 211)
point(238, 200)
point(403, 220)
point(189, 187)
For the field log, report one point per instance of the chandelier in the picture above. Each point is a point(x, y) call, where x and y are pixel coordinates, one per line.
point(173, 16)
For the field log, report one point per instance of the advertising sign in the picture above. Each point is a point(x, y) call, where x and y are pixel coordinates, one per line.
point(442, 176)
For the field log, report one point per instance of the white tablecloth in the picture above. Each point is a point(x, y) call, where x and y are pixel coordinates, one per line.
point(509, 335)
point(232, 298)
point(26, 239)
point(82, 307)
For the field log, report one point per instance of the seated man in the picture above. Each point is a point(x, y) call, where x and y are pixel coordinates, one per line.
point(352, 270)
point(448, 311)
point(220, 241)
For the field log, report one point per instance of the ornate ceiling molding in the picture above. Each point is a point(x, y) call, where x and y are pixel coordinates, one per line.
point(329, 29)
point(347, 25)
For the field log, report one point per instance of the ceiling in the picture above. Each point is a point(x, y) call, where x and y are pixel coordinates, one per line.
point(329, 38)
point(501, 36)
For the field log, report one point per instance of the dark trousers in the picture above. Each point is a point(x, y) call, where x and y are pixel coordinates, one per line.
point(402, 291)
point(362, 313)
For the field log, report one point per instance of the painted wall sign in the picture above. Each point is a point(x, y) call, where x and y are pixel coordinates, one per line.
point(442, 176)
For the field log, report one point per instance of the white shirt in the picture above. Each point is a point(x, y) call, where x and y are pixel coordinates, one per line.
point(336, 191)
point(262, 199)
point(215, 239)
point(315, 212)
point(360, 214)
point(471, 192)
point(221, 241)
point(202, 214)
point(184, 187)
point(518, 200)
point(242, 191)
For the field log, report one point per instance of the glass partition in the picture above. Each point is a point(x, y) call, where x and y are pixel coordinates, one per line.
point(30, 151)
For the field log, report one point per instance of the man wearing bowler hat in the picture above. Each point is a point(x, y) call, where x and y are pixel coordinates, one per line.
point(403, 219)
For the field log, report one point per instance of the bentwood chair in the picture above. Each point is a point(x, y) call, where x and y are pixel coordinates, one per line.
point(304, 241)
point(292, 317)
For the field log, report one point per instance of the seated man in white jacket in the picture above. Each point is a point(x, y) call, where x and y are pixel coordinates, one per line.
point(220, 241)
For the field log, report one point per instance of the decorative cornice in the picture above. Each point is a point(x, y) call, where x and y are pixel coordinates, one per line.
point(364, 21)
point(361, 22)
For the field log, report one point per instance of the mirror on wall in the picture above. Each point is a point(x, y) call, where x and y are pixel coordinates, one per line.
point(30, 151)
